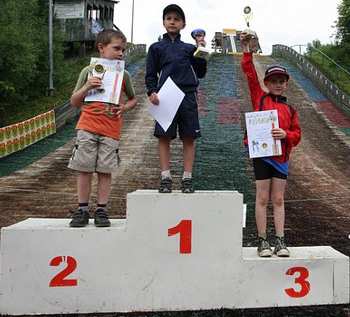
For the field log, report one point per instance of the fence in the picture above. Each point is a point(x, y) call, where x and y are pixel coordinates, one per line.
point(18, 136)
point(328, 88)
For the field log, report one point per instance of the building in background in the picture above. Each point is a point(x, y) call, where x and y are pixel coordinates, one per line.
point(227, 42)
point(81, 20)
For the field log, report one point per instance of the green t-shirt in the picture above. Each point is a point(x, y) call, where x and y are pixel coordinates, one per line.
point(127, 87)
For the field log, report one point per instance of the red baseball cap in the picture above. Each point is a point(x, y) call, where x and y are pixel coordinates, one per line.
point(276, 70)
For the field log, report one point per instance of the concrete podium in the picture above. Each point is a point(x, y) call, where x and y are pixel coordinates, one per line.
point(173, 252)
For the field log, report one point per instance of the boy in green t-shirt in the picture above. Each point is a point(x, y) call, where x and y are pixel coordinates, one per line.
point(98, 133)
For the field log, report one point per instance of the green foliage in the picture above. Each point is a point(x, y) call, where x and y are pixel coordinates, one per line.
point(343, 23)
point(42, 103)
point(18, 52)
point(339, 52)
point(24, 54)
point(326, 58)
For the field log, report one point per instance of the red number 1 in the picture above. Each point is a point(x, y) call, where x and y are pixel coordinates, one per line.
point(301, 280)
point(185, 229)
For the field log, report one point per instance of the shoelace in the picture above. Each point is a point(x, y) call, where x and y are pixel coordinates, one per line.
point(280, 244)
point(264, 244)
point(187, 182)
point(79, 212)
point(101, 213)
point(165, 183)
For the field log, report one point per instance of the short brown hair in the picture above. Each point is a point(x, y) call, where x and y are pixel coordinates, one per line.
point(105, 37)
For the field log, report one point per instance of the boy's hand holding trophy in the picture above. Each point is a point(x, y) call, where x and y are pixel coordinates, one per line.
point(249, 39)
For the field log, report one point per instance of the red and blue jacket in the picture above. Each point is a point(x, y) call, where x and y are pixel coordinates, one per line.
point(173, 58)
point(287, 116)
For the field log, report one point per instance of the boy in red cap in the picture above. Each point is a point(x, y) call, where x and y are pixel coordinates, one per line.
point(271, 172)
point(173, 58)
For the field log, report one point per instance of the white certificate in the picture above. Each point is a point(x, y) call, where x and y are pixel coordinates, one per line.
point(111, 73)
point(260, 141)
point(170, 97)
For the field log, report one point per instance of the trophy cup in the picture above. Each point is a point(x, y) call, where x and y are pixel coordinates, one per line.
point(99, 71)
point(247, 14)
point(198, 35)
point(252, 36)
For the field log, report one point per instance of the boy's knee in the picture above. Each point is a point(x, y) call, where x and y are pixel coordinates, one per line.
point(262, 200)
point(188, 140)
point(277, 201)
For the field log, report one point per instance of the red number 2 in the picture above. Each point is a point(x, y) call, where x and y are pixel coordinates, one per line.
point(59, 279)
point(301, 280)
point(185, 229)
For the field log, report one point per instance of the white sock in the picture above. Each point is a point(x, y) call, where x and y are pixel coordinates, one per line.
point(187, 175)
point(165, 174)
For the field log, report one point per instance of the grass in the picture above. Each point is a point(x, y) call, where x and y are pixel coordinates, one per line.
point(338, 77)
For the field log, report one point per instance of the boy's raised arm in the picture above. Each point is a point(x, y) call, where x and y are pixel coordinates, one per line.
point(249, 69)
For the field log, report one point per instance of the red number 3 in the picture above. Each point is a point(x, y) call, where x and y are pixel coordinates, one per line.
point(59, 279)
point(301, 280)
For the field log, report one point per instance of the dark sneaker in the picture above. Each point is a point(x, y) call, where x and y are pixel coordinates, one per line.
point(281, 248)
point(165, 185)
point(101, 218)
point(80, 218)
point(264, 249)
point(187, 186)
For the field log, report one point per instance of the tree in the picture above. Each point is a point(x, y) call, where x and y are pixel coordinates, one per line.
point(19, 46)
point(343, 23)
point(24, 52)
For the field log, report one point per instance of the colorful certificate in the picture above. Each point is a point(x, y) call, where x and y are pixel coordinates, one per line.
point(111, 73)
point(260, 141)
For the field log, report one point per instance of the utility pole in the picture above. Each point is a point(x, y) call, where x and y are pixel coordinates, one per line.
point(132, 23)
point(50, 49)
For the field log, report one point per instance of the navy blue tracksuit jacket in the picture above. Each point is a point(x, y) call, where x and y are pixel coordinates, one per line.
point(173, 58)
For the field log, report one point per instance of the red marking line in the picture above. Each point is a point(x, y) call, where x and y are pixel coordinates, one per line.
point(202, 103)
point(336, 116)
point(228, 111)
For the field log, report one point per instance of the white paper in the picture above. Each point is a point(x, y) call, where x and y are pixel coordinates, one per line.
point(112, 80)
point(170, 97)
point(260, 141)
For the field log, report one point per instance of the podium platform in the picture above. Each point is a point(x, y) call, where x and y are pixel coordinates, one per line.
point(173, 252)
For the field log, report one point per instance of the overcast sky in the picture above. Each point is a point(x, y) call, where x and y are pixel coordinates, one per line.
point(286, 22)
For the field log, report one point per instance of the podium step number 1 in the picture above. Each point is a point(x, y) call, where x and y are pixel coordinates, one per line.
point(172, 252)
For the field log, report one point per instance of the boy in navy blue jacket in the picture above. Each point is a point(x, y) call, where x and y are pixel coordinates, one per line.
point(174, 58)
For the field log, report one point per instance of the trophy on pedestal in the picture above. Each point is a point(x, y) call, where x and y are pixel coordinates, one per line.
point(253, 38)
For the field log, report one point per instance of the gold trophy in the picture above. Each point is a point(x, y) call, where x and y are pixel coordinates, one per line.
point(252, 36)
point(247, 14)
point(99, 71)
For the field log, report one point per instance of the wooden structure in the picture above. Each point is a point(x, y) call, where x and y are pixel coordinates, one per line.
point(81, 20)
point(227, 42)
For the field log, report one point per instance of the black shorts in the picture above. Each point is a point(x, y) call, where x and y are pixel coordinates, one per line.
point(264, 170)
point(186, 120)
